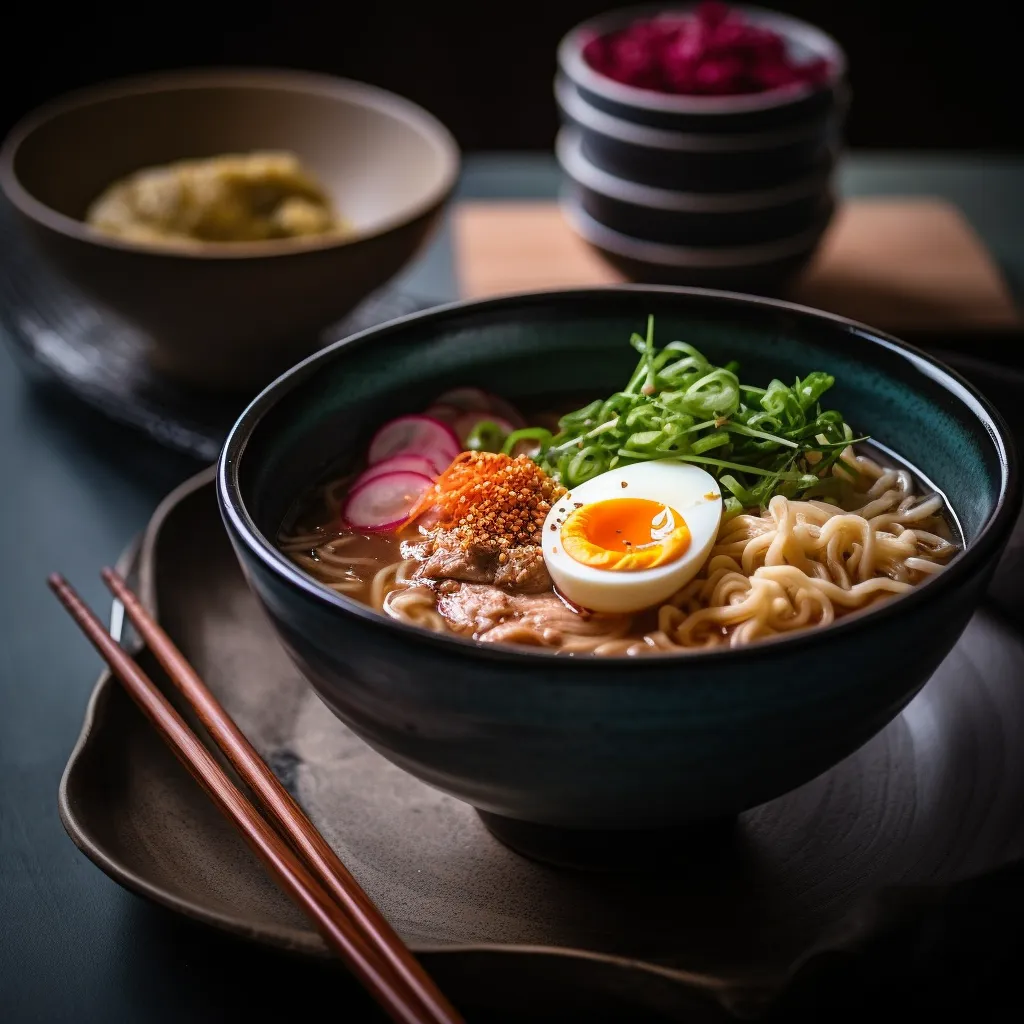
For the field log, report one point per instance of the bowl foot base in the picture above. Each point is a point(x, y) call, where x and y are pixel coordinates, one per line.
point(612, 849)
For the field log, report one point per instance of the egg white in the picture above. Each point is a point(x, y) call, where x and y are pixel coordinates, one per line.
point(691, 491)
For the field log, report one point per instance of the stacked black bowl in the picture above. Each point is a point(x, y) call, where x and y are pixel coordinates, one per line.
point(726, 191)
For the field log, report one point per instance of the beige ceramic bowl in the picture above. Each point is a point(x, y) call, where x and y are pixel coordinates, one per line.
point(231, 316)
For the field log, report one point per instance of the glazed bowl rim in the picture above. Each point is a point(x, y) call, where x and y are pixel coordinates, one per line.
point(305, 83)
point(577, 70)
point(575, 164)
point(665, 254)
point(992, 535)
point(599, 122)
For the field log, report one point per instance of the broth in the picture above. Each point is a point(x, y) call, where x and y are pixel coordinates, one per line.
point(370, 567)
point(690, 510)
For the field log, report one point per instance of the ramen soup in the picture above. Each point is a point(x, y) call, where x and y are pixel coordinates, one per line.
point(689, 510)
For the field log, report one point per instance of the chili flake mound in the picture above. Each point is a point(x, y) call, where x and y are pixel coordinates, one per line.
point(491, 501)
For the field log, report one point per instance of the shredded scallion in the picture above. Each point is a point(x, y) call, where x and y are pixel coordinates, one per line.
point(678, 405)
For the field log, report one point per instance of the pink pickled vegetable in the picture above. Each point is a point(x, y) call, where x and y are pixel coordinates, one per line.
point(466, 399)
point(384, 503)
point(505, 411)
point(415, 435)
point(711, 51)
point(443, 412)
point(400, 464)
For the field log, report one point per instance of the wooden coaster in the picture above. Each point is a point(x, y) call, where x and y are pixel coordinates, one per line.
point(898, 264)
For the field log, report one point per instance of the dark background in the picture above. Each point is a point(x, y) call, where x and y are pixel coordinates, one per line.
point(922, 78)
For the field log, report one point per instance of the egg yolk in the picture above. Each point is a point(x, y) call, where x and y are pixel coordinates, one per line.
point(625, 534)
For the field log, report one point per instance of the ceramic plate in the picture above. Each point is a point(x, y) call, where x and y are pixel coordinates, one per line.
point(933, 798)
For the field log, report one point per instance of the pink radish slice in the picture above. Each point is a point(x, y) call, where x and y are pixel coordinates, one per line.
point(415, 435)
point(444, 413)
point(468, 400)
point(384, 503)
point(400, 464)
point(465, 399)
point(464, 425)
point(506, 410)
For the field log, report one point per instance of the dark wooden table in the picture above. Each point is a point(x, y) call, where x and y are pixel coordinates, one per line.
point(74, 490)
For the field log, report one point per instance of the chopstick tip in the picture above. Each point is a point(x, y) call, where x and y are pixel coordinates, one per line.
point(56, 581)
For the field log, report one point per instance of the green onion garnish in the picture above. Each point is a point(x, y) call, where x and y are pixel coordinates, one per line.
point(678, 405)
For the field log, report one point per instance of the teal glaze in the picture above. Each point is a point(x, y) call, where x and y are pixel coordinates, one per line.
point(598, 743)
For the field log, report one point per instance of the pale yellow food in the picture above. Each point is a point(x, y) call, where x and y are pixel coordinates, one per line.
point(248, 197)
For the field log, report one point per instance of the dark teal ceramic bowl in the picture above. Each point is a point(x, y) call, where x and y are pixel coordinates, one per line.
point(765, 268)
point(696, 219)
point(691, 162)
point(553, 749)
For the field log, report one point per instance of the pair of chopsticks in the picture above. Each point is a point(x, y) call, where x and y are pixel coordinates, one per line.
point(295, 855)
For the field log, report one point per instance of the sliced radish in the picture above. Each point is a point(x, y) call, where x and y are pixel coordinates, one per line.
point(476, 400)
point(466, 423)
point(383, 503)
point(442, 412)
point(506, 410)
point(415, 435)
point(400, 464)
point(466, 399)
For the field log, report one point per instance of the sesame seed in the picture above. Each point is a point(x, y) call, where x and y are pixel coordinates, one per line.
point(494, 501)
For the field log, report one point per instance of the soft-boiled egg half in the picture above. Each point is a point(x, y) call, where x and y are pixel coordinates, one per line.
point(630, 538)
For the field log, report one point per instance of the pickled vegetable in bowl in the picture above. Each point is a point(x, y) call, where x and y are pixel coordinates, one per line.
point(248, 197)
point(713, 50)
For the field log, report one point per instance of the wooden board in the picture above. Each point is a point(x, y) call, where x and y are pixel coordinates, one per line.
point(895, 263)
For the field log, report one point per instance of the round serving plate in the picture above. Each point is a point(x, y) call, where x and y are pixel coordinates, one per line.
point(931, 800)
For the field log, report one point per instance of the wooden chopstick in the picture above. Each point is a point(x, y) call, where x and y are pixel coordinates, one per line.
point(282, 811)
point(334, 924)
